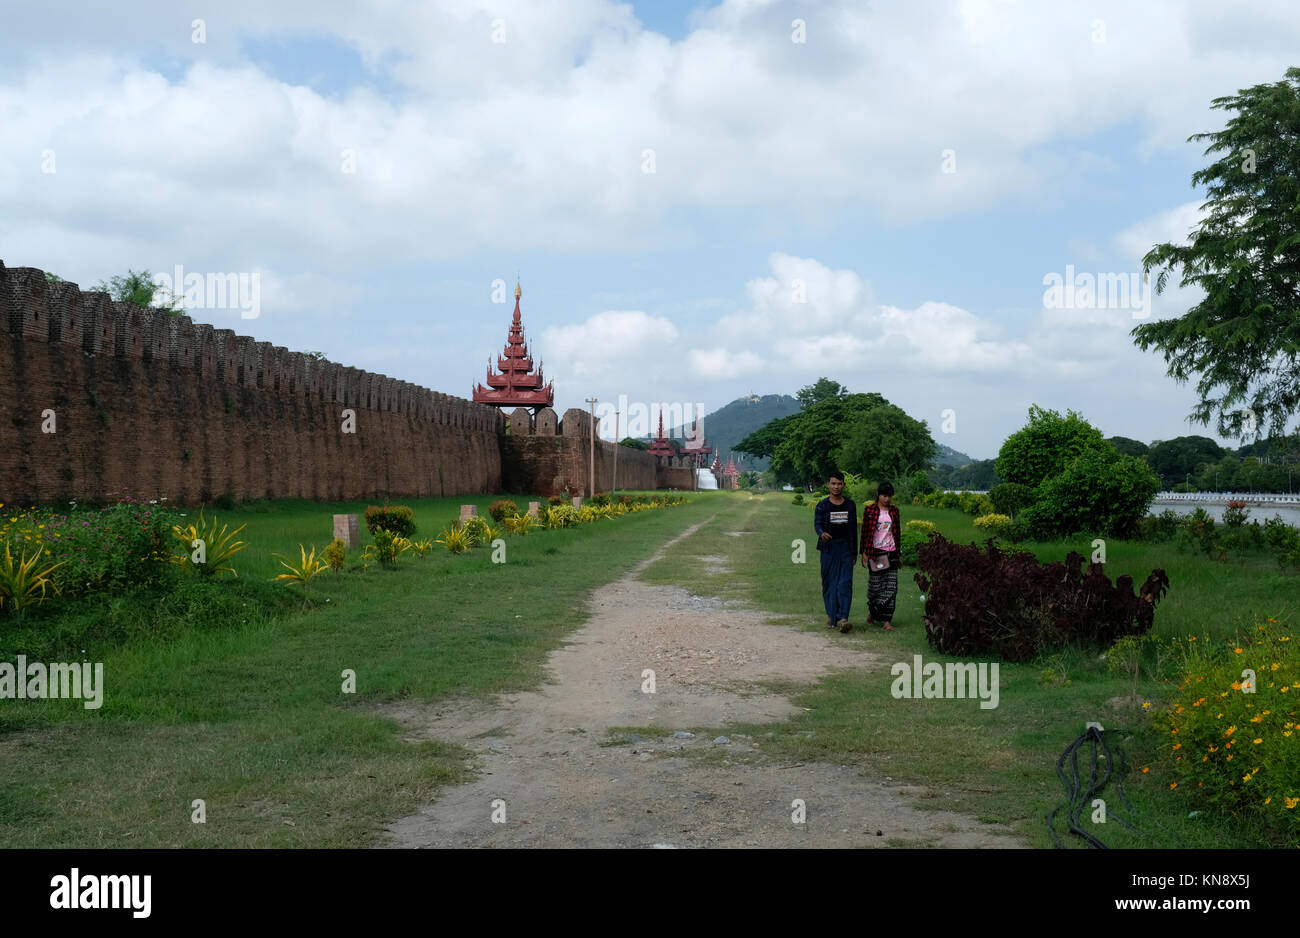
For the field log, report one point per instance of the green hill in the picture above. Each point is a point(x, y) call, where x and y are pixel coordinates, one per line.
point(728, 425)
point(947, 456)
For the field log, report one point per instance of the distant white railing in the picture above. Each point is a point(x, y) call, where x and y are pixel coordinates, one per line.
point(1256, 498)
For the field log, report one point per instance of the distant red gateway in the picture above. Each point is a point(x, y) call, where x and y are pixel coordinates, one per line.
point(515, 385)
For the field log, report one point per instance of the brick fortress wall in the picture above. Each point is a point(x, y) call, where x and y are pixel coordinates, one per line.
point(555, 454)
point(161, 405)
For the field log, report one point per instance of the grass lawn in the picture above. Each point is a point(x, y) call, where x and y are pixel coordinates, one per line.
point(998, 764)
point(248, 714)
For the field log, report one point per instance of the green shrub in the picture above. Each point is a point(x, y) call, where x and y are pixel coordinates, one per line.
point(396, 519)
point(1162, 527)
point(994, 524)
point(503, 508)
point(387, 548)
point(1234, 750)
point(919, 483)
point(562, 516)
point(456, 540)
point(336, 554)
point(600, 499)
point(911, 539)
point(1198, 532)
point(1235, 513)
point(116, 548)
point(1017, 531)
point(798, 499)
point(1010, 497)
point(478, 530)
point(1099, 492)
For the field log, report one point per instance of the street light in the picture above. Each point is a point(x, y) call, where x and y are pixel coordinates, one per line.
point(591, 466)
point(613, 483)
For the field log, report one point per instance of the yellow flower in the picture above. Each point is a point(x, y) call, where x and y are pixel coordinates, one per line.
point(1290, 802)
point(1257, 741)
point(1268, 799)
point(1146, 704)
point(1230, 730)
point(1256, 718)
point(1275, 666)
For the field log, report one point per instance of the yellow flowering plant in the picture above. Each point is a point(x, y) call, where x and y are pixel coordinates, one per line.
point(1226, 765)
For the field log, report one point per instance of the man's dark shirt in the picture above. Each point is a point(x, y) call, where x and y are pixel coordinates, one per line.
point(840, 520)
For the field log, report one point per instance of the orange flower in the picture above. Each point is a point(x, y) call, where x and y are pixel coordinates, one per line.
point(1237, 651)
point(1173, 785)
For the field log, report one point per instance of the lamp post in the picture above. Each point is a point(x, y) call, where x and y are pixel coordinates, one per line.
point(613, 482)
point(591, 466)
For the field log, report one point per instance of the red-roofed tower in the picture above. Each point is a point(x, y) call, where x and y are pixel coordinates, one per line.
point(514, 384)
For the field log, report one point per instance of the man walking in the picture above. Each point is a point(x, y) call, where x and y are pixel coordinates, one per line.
point(881, 536)
point(836, 522)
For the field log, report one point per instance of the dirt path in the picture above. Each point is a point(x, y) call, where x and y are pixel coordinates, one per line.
point(541, 752)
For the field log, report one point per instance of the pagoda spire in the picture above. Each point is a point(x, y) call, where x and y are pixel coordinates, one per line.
point(660, 445)
point(516, 384)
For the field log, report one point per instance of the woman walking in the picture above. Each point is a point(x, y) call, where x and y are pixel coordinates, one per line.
point(881, 529)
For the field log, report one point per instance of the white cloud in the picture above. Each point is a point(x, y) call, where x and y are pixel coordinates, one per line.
point(715, 363)
point(607, 343)
point(538, 141)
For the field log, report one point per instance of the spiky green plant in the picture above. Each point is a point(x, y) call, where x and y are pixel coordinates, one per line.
point(308, 567)
point(21, 584)
point(219, 545)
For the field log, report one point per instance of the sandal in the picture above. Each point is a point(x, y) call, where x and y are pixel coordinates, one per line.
point(889, 628)
point(845, 625)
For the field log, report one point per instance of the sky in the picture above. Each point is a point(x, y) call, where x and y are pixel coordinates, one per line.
point(699, 200)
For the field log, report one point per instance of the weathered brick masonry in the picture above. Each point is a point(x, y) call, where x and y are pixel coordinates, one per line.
point(160, 405)
point(163, 406)
point(547, 464)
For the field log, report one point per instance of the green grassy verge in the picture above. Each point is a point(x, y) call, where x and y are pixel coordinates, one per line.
point(997, 764)
point(248, 714)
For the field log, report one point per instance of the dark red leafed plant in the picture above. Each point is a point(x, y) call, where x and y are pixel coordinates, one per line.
point(993, 602)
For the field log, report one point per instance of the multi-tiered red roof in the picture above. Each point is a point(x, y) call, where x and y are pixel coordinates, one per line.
point(697, 446)
point(515, 385)
point(660, 446)
point(730, 474)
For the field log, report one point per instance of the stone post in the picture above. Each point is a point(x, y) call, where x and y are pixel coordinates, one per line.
point(467, 512)
point(532, 509)
point(346, 530)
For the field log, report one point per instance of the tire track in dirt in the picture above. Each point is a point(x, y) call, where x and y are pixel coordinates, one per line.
point(546, 753)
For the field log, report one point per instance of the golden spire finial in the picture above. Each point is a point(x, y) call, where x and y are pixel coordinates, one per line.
point(517, 290)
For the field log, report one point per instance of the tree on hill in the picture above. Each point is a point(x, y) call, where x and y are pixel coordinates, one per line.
point(834, 427)
point(823, 389)
point(1173, 460)
point(1243, 339)
point(1046, 445)
point(633, 444)
point(1126, 446)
